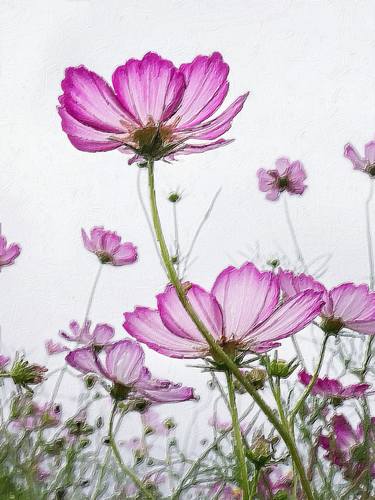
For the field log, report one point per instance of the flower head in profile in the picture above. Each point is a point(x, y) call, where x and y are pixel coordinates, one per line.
point(365, 163)
point(274, 482)
point(122, 363)
point(346, 306)
point(107, 246)
point(155, 110)
point(286, 176)
point(8, 253)
point(333, 388)
point(242, 312)
point(346, 447)
point(102, 333)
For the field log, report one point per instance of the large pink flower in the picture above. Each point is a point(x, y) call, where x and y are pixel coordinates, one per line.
point(242, 312)
point(364, 163)
point(107, 246)
point(333, 388)
point(347, 305)
point(287, 176)
point(155, 110)
point(8, 254)
point(123, 364)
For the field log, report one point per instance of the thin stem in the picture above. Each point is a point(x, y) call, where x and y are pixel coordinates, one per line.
point(254, 483)
point(126, 470)
point(92, 293)
point(176, 238)
point(370, 247)
point(216, 351)
point(238, 441)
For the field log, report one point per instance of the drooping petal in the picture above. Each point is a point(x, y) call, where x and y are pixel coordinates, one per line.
point(352, 154)
point(177, 320)
point(246, 296)
point(126, 253)
point(289, 318)
point(146, 326)
point(149, 89)
point(163, 391)
point(84, 360)
point(89, 99)
point(124, 361)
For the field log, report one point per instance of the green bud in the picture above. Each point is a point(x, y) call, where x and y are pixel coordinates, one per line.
point(174, 197)
point(280, 368)
point(170, 424)
point(261, 451)
point(23, 373)
point(84, 443)
point(274, 263)
point(90, 381)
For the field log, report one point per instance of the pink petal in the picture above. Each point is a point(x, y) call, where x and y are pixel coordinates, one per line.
point(273, 194)
point(370, 152)
point(352, 154)
point(296, 178)
point(177, 320)
point(11, 253)
point(282, 165)
point(126, 253)
point(125, 361)
point(146, 326)
point(266, 181)
point(110, 242)
point(163, 391)
point(291, 283)
point(289, 318)
point(102, 333)
point(366, 327)
point(353, 303)
point(345, 436)
point(89, 99)
point(206, 88)
point(355, 390)
point(84, 360)
point(87, 242)
point(246, 296)
point(149, 89)
point(54, 347)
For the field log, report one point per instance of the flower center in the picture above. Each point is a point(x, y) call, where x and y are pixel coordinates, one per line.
point(283, 183)
point(104, 257)
point(331, 326)
point(151, 140)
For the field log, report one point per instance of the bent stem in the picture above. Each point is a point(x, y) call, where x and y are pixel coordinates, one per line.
point(126, 470)
point(216, 351)
point(238, 441)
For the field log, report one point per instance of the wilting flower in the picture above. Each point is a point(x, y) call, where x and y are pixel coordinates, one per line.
point(107, 246)
point(347, 305)
point(8, 254)
point(101, 335)
point(364, 163)
point(332, 388)
point(273, 482)
point(123, 364)
point(347, 449)
point(54, 347)
point(154, 111)
point(242, 312)
point(287, 176)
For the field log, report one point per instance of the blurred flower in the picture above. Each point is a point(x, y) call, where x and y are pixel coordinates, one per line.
point(153, 423)
point(4, 361)
point(287, 176)
point(332, 388)
point(123, 365)
point(364, 163)
point(346, 448)
point(274, 482)
point(225, 491)
point(54, 347)
point(107, 246)
point(242, 312)
point(223, 425)
point(347, 305)
point(8, 254)
point(154, 109)
point(33, 416)
point(101, 335)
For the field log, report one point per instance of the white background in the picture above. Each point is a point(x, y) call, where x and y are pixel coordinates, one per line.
point(309, 67)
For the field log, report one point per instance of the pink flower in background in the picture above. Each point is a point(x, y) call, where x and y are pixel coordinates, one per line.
point(107, 246)
point(346, 448)
point(242, 312)
point(223, 425)
point(364, 163)
point(54, 347)
point(101, 335)
point(153, 423)
point(287, 176)
point(123, 364)
point(224, 491)
point(347, 305)
point(332, 388)
point(8, 254)
point(4, 361)
point(273, 481)
point(38, 416)
point(155, 110)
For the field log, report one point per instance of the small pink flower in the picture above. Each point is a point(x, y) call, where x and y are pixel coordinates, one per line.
point(287, 176)
point(155, 110)
point(107, 246)
point(242, 312)
point(101, 335)
point(153, 423)
point(38, 416)
point(332, 388)
point(274, 480)
point(364, 163)
point(8, 254)
point(347, 305)
point(225, 491)
point(4, 361)
point(54, 347)
point(123, 364)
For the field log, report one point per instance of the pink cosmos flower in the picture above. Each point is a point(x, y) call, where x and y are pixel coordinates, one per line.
point(346, 448)
point(101, 335)
point(364, 163)
point(287, 176)
point(155, 110)
point(8, 254)
point(274, 481)
point(54, 347)
point(123, 364)
point(332, 388)
point(107, 246)
point(347, 305)
point(4, 361)
point(242, 312)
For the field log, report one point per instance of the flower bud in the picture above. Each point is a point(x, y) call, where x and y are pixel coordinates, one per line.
point(90, 381)
point(257, 378)
point(170, 424)
point(280, 368)
point(261, 451)
point(174, 197)
point(23, 373)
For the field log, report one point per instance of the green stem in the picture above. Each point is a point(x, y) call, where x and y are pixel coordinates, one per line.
point(238, 441)
point(126, 470)
point(254, 483)
point(216, 351)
